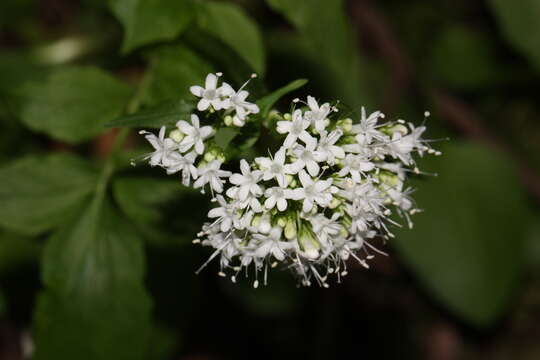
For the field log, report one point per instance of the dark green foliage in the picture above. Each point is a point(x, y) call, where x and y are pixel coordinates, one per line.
point(165, 113)
point(39, 192)
point(74, 103)
point(94, 305)
point(73, 207)
point(467, 245)
point(148, 21)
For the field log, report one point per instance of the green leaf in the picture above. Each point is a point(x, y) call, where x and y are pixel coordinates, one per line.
point(74, 103)
point(38, 192)
point(325, 35)
point(519, 23)
point(94, 305)
point(467, 245)
point(464, 59)
point(166, 113)
point(173, 69)
point(241, 145)
point(224, 136)
point(229, 23)
point(158, 208)
point(16, 251)
point(266, 103)
point(148, 21)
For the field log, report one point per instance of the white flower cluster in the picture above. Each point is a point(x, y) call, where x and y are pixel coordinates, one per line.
point(323, 197)
point(181, 151)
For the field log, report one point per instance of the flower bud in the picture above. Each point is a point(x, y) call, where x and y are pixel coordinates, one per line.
point(228, 120)
point(221, 157)
point(291, 180)
point(334, 203)
point(345, 124)
point(290, 230)
point(264, 225)
point(308, 244)
point(399, 128)
point(281, 221)
point(287, 116)
point(256, 221)
point(209, 156)
point(176, 135)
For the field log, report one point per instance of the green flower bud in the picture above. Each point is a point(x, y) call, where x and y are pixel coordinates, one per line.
point(343, 232)
point(290, 230)
point(221, 157)
point(287, 116)
point(228, 120)
point(388, 178)
point(256, 220)
point(334, 203)
point(292, 181)
point(209, 156)
point(176, 135)
point(308, 243)
point(345, 124)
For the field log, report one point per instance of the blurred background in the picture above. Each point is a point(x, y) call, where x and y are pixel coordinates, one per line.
point(118, 282)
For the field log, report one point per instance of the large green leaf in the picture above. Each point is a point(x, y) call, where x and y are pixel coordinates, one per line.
point(230, 24)
point(38, 192)
point(166, 113)
point(519, 23)
point(148, 21)
point(173, 69)
point(94, 305)
point(266, 103)
point(325, 34)
point(467, 246)
point(74, 103)
point(16, 251)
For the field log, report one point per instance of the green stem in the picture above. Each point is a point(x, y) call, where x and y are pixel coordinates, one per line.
point(108, 168)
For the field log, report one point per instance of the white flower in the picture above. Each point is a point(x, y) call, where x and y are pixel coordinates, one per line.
point(368, 126)
point(308, 157)
point(275, 168)
point(401, 145)
point(295, 129)
point(277, 196)
point(355, 165)
point(328, 149)
point(250, 201)
point(237, 100)
point(317, 114)
point(247, 181)
point(400, 199)
point(313, 191)
point(195, 134)
point(210, 94)
point(185, 164)
point(211, 174)
point(271, 245)
point(238, 121)
point(326, 229)
point(163, 148)
point(225, 212)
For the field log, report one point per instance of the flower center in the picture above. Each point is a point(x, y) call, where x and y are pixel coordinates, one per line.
point(209, 94)
point(276, 168)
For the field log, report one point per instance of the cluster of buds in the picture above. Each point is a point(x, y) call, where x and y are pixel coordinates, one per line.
point(325, 196)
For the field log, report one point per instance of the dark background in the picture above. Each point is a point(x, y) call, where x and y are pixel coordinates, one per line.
point(463, 284)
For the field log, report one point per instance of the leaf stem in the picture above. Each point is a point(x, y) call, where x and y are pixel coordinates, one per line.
point(121, 136)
